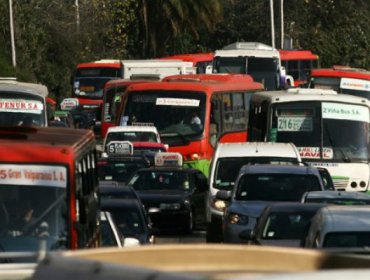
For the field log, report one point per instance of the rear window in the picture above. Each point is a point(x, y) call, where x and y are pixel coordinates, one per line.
point(276, 187)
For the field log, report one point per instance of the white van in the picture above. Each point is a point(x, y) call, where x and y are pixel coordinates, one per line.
point(226, 163)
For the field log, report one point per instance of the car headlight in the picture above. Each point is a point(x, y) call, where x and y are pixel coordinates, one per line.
point(170, 206)
point(237, 219)
point(219, 205)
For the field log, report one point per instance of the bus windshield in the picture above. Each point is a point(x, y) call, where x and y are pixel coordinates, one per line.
point(263, 70)
point(173, 113)
point(25, 218)
point(317, 129)
point(108, 72)
point(21, 110)
point(112, 100)
point(89, 87)
point(342, 86)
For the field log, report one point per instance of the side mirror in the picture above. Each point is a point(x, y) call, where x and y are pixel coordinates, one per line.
point(209, 69)
point(224, 195)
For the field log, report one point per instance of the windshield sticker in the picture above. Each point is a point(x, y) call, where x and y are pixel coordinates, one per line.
point(295, 124)
point(177, 102)
point(314, 152)
point(355, 84)
point(340, 111)
point(21, 106)
point(37, 175)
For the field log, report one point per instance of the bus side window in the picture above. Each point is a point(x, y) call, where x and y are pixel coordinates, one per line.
point(227, 112)
point(215, 121)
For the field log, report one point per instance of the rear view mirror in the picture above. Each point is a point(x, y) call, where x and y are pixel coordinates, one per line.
point(130, 242)
point(224, 195)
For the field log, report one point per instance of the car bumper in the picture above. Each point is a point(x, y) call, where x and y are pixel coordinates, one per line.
point(231, 232)
point(170, 220)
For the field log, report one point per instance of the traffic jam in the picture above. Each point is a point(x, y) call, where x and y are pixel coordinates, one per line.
point(235, 155)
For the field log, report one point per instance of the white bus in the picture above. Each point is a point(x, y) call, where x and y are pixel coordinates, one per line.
point(330, 130)
point(260, 61)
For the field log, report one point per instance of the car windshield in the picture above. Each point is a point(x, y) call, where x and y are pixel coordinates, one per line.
point(25, 218)
point(18, 109)
point(316, 129)
point(119, 171)
point(275, 187)
point(186, 108)
point(129, 221)
point(286, 225)
point(132, 136)
point(227, 169)
point(160, 180)
point(347, 239)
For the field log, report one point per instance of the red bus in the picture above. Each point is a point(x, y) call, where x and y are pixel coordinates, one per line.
point(343, 79)
point(112, 95)
point(89, 81)
point(48, 189)
point(298, 64)
point(192, 112)
point(200, 60)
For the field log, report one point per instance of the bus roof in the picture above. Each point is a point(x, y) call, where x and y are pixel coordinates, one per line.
point(341, 71)
point(15, 86)
point(43, 144)
point(248, 49)
point(122, 82)
point(297, 55)
point(192, 57)
point(222, 77)
point(197, 86)
point(100, 64)
point(302, 95)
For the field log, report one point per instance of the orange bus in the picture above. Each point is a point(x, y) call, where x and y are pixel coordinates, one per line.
point(48, 189)
point(343, 79)
point(192, 112)
point(298, 64)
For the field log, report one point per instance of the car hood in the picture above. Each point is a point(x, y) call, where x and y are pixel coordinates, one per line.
point(248, 208)
point(283, 243)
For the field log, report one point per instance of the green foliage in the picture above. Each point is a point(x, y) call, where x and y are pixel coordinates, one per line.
point(49, 43)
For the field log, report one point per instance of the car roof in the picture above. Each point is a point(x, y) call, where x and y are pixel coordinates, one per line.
point(345, 218)
point(132, 128)
point(337, 194)
point(256, 149)
point(275, 169)
point(115, 203)
point(294, 207)
point(111, 189)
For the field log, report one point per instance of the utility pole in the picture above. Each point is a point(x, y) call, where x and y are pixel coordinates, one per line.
point(282, 22)
point(77, 16)
point(272, 23)
point(12, 33)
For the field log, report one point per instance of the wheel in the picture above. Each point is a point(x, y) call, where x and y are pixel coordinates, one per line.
point(190, 226)
point(213, 234)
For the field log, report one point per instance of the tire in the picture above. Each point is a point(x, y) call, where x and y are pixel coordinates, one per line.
point(213, 234)
point(190, 226)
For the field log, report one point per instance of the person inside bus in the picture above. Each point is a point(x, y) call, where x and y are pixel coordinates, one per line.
point(195, 122)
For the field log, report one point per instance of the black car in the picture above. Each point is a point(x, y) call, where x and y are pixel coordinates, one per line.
point(130, 218)
point(113, 189)
point(174, 197)
point(120, 168)
point(282, 224)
